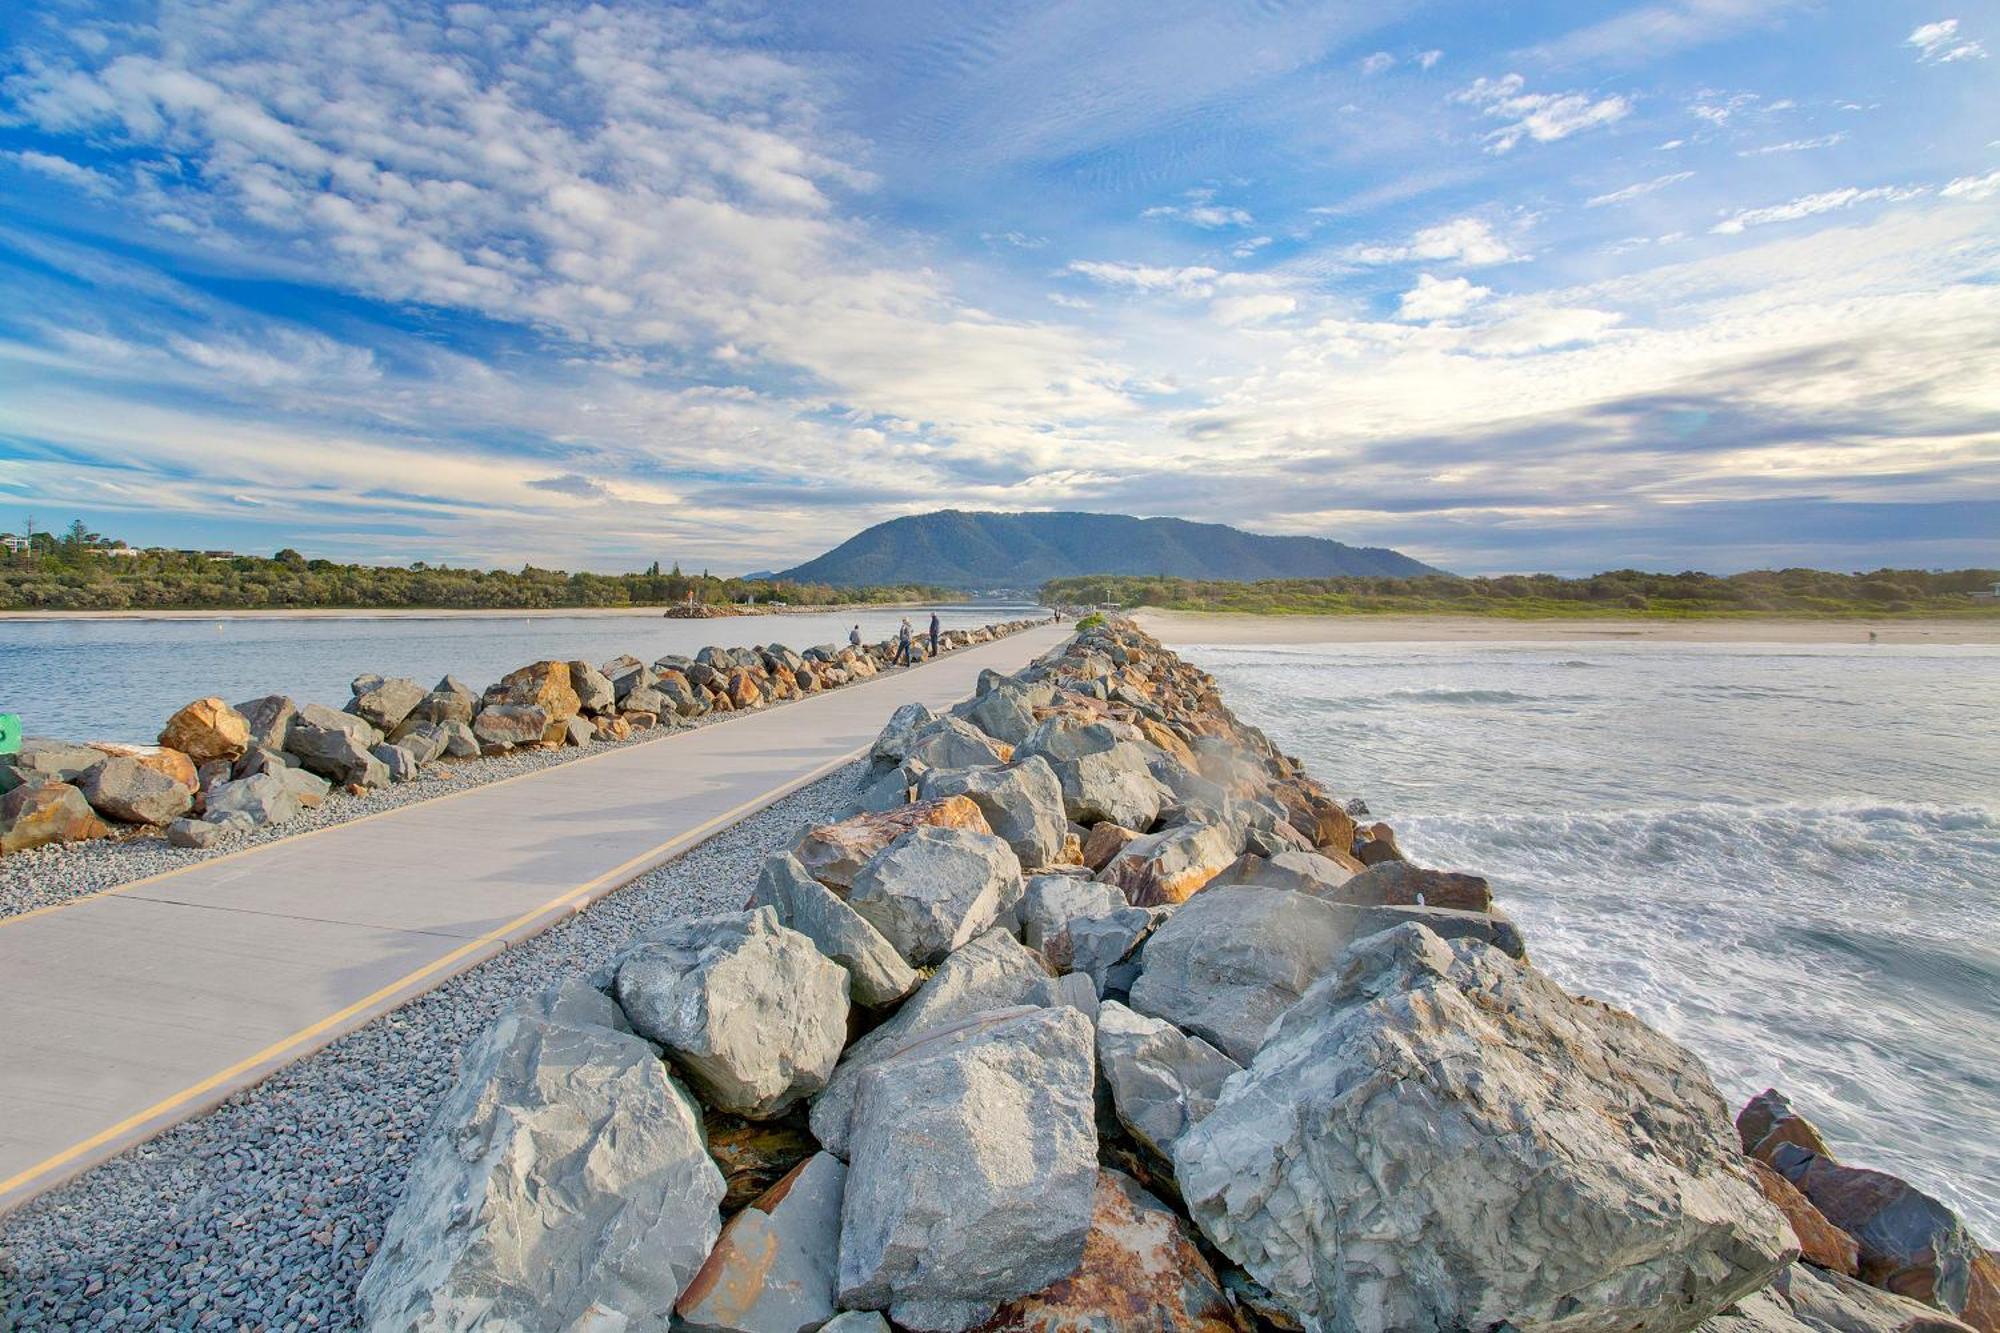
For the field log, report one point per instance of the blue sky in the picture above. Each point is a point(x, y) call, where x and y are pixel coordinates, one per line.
point(1692, 283)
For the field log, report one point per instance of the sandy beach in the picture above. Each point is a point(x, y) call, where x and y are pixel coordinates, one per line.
point(1218, 628)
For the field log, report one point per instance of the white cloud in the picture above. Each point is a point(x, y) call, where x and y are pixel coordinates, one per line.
point(1440, 298)
point(1378, 63)
point(1469, 241)
point(1543, 117)
point(1193, 280)
point(1539, 328)
point(1634, 191)
point(1211, 217)
point(1426, 59)
point(1797, 145)
point(1254, 308)
point(1973, 187)
point(74, 174)
point(1805, 206)
point(1938, 44)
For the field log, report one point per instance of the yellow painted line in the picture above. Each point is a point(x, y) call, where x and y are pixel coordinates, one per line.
point(579, 897)
point(262, 847)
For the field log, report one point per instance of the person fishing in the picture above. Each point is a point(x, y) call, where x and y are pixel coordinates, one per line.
point(934, 634)
point(903, 644)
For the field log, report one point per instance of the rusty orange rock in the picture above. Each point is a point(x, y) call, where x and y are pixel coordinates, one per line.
point(546, 685)
point(1140, 1273)
point(168, 763)
point(1106, 840)
point(1820, 1241)
point(36, 814)
point(207, 729)
point(744, 691)
point(833, 854)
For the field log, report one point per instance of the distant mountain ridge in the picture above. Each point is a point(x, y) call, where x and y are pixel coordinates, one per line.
point(970, 550)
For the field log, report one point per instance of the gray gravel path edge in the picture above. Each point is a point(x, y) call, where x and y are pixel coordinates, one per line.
point(264, 1212)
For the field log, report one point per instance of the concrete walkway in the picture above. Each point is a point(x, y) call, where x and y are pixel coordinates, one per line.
point(126, 1012)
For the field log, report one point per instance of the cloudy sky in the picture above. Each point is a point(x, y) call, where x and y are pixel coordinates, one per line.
point(1689, 283)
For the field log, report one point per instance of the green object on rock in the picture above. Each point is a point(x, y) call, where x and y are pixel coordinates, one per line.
point(10, 733)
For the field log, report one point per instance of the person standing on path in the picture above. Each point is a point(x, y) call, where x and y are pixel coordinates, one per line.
point(934, 633)
point(854, 637)
point(903, 644)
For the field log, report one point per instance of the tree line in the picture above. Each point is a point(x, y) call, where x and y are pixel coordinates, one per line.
point(1795, 592)
point(78, 571)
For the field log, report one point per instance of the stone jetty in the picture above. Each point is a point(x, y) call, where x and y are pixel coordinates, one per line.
point(1099, 1013)
point(220, 771)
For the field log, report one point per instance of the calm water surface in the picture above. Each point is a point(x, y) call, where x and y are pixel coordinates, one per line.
point(1788, 858)
point(121, 679)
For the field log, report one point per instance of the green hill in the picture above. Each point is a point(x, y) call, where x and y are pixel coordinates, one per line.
point(1020, 551)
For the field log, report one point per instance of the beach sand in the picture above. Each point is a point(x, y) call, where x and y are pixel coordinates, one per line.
point(1180, 627)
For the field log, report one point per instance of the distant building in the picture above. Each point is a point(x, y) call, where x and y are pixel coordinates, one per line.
point(10, 542)
point(1990, 595)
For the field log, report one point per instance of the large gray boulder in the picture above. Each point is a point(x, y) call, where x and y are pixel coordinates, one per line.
point(992, 973)
point(264, 798)
point(338, 753)
point(1006, 711)
point(43, 760)
point(594, 692)
point(564, 1173)
point(333, 719)
point(751, 1012)
point(1103, 772)
point(775, 1267)
point(1053, 903)
point(1100, 947)
point(398, 760)
point(1023, 804)
point(1436, 1136)
point(270, 720)
point(892, 746)
point(932, 889)
point(877, 974)
point(1162, 1081)
point(952, 742)
point(132, 792)
point(450, 700)
point(385, 702)
point(510, 724)
point(971, 1172)
point(1229, 961)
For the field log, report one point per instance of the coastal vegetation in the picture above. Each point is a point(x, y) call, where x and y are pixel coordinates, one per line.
point(1624, 592)
point(80, 571)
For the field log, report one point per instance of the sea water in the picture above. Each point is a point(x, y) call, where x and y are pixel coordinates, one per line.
point(1786, 858)
point(122, 679)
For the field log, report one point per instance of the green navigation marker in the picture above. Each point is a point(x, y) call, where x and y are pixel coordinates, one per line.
point(10, 733)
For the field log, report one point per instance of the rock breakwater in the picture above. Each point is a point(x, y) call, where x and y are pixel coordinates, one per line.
point(221, 771)
point(1098, 1012)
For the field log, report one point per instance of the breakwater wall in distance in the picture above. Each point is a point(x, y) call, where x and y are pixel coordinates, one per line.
point(222, 771)
point(1098, 1012)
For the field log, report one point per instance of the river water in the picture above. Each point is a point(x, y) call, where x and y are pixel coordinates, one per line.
point(121, 679)
point(1787, 858)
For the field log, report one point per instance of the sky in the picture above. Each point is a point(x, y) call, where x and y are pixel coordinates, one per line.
point(1538, 286)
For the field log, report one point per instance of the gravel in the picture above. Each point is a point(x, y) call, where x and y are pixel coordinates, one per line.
point(264, 1212)
point(43, 876)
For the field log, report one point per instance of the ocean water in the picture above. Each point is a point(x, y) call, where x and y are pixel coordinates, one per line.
point(122, 679)
point(1787, 858)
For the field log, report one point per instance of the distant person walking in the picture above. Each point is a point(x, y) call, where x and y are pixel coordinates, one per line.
point(934, 633)
point(903, 644)
point(854, 637)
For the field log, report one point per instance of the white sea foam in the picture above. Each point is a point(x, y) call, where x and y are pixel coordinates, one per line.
point(1788, 860)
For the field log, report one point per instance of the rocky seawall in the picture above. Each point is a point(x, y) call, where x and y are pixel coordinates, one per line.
point(222, 771)
point(1099, 1013)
